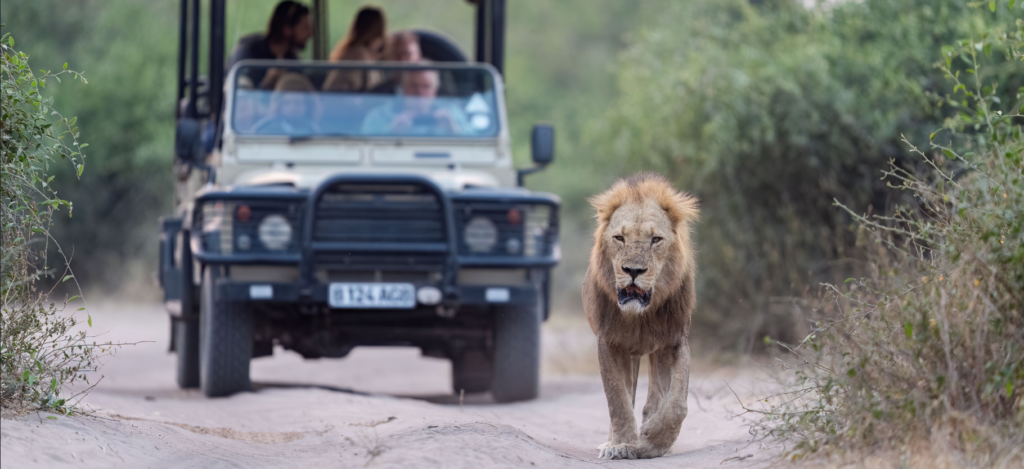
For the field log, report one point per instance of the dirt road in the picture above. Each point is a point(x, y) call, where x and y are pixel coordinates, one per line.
point(379, 407)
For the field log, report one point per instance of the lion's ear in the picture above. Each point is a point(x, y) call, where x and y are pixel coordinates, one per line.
point(607, 202)
point(681, 207)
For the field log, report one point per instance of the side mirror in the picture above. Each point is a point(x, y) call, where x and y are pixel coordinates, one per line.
point(542, 144)
point(188, 146)
point(188, 141)
point(542, 149)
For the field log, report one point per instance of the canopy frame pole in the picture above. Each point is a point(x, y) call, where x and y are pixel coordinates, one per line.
point(490, 33)
point(320, 30)
point(182, 55)
point(216, 75)
point(193, 82)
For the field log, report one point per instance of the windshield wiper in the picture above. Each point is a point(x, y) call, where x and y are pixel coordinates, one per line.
point(308, 137)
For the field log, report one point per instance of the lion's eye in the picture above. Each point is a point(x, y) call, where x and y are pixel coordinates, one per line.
point(655, 240)
point(619, 238)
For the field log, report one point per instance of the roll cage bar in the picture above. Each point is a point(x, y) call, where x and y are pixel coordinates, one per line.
point(206, 94)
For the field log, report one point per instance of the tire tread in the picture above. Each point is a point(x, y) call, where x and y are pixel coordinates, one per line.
point(516, 353)
point(226, 344)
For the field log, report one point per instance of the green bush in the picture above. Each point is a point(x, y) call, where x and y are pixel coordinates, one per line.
point(768, 111)
point(41, 351)
point(930, 346)
point(129, 49)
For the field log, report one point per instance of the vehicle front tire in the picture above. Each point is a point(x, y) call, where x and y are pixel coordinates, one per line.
point(516, 353)
point(186, 327)
point(226, 342)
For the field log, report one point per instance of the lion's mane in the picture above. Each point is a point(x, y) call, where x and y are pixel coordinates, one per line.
point(669, 312)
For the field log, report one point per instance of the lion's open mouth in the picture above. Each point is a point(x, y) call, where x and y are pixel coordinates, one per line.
point(634, 293)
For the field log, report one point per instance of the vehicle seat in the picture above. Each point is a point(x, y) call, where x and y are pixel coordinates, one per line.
point(438, 48)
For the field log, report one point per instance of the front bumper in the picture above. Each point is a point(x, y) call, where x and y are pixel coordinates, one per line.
point(316, 294)
point(331, 223)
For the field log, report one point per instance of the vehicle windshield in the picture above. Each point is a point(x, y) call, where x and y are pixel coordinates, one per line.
point(311, 100)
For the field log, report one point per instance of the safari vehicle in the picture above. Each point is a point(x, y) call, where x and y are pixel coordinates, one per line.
point(326, 219)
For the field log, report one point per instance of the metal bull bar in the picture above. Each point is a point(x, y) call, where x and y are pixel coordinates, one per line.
point(449, 248)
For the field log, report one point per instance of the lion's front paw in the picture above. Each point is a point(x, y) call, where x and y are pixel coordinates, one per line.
point(620, 451)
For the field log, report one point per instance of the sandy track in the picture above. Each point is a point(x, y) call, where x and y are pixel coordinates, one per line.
point(379, 407)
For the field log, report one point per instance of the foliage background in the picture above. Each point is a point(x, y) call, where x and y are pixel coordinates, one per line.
point(765, 109)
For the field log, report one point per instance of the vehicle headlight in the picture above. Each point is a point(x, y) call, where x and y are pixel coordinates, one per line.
point(275, 232)
point(480, 235)
point(535, 229)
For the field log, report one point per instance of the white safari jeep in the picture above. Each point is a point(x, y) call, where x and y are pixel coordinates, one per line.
point(357, 205)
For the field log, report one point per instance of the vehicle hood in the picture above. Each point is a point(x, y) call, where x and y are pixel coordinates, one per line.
point(311, 177)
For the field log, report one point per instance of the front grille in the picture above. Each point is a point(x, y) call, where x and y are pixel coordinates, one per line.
point(370, 261)
point(399, 218)
point(365, 213)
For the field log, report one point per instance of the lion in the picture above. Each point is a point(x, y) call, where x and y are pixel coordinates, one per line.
point(638, 295)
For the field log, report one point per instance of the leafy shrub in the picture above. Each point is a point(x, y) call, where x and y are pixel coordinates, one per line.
point(40, 351)
point(930, 347)
point(768, 111)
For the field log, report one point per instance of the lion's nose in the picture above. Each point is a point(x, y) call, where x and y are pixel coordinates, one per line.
point(633, 272)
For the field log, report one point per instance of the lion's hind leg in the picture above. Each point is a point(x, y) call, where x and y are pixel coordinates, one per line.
point(666, 407)
point(634, 365)
point(658, 386)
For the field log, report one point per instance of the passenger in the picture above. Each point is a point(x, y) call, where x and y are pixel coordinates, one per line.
point(417, 111)
point(365, 39)
point(289, 29)
point(403, 46)
point(364, 42)
point(292, 108)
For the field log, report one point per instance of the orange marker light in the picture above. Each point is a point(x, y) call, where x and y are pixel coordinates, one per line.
point(515, 217)
point(243, 213)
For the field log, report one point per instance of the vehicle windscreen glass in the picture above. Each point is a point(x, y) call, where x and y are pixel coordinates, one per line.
point(363, 101)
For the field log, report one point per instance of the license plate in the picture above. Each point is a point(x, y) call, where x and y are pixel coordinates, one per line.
point(371, 295)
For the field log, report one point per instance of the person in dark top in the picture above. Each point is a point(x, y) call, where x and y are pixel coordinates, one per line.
point(289, 29)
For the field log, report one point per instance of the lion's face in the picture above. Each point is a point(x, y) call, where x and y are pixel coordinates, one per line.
point(639, 241)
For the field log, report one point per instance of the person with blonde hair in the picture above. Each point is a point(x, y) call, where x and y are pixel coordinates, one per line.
point(366, 37)
point(403, 46)
point(292, 108)
point(365, 41)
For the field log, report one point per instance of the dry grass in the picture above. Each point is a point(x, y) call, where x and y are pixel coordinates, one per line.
point(928, 352)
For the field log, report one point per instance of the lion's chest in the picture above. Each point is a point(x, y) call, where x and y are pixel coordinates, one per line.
point(638, 350)
point(641, 337)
